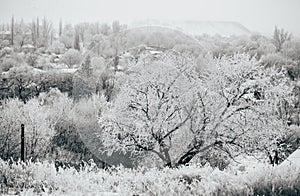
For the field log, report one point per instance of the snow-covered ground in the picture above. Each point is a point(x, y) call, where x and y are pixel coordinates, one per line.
point(293, 159)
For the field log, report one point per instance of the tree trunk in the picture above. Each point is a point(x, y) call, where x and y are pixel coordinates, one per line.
point(192, 152)
point(167, 157)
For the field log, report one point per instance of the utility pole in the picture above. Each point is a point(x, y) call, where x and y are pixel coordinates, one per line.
point(22, 143)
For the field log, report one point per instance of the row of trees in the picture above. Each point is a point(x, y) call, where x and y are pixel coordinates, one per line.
point(41, 33)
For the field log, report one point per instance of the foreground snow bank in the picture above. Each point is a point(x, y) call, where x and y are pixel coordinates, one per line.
point(37, 178)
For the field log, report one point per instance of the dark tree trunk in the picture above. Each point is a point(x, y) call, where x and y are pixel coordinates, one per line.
point(190, 154)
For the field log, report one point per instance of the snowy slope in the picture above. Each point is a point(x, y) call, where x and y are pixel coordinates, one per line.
point(293, 159)
point(198, 27)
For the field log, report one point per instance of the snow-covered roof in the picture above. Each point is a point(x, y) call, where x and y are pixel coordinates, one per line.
point(4, 32)
point(7, 48)
point(35, 70)
point(28, 46)
point(5, 74)
point(154, 52)
point(71, 70)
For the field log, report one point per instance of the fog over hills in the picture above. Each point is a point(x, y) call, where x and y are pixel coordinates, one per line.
point(190, 27)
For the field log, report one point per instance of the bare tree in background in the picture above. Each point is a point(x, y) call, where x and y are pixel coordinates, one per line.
point(46, 33)
point(280, 37)
point(116, 26)
point(76, 39)
point(33, 32)
point(81, 29)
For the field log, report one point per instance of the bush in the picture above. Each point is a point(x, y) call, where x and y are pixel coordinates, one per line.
point(4, 43)
point(67, 137)
point(39, 115)
point(8, 63)
point(57, 47)
point(56, 127)
point(7, 51)
point(293, 71)
point(37, 178)
point(71, 57)
point(98, 63)
point(276, 60)
point(37, 129)
point(32, 59)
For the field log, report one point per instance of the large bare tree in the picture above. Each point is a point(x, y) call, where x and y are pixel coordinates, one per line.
point(166, 109)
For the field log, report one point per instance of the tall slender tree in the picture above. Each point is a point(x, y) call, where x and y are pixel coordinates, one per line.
point(37, 29)
point(76, 39)
point(46, 32)
point(116, 26)
point(33, 32)
point(12, 31)
point(60, 28)
point(51, 37)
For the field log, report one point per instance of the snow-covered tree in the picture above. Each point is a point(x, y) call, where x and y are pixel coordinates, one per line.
point(71, 57)
point(84, 81)
point(280, 37)
point(116, 26)
point(20, 80)
point(68, 36)
point(165, 109)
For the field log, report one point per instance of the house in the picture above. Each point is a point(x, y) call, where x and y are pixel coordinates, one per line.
point(5, 35)
point(28, 48)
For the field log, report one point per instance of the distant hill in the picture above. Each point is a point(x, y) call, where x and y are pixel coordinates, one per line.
point(197, 27)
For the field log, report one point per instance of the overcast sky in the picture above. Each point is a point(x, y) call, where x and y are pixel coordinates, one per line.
point(256, 15)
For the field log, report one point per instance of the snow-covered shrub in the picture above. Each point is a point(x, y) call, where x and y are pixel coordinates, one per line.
point(38, 130)
point(54, 127)
point(57, 47)
point(292, 49)
point(32, 59)
point(71, 57)
point(7, 63)
point(42, 177)
point(11, 117)
point(39, 115)
point(293, 72)
point(4, 44)
point(275, 59)
point(7, 51)
point(98, 63)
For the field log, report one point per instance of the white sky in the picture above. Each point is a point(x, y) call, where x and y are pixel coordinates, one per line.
point(257, 15)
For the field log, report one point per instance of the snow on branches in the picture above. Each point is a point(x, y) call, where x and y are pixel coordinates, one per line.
point(167, 109)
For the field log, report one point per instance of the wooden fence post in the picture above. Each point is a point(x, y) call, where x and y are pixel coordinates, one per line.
point(22, 143)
